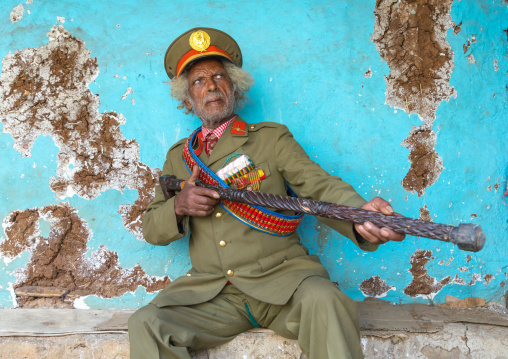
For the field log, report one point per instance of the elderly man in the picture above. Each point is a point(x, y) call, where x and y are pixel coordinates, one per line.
point(249, 268)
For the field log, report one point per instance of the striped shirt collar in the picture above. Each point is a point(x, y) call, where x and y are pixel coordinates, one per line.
point(219, 130)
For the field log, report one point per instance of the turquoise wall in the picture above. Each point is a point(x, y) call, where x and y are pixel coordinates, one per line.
point(308, 59)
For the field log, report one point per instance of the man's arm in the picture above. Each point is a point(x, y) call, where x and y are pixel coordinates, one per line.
point(309, 180)
point(160, 224)
point(167, 221)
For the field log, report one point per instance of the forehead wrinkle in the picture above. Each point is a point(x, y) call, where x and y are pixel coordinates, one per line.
point(205, 72)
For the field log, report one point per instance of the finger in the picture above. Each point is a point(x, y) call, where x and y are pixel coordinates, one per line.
point(391, 235)
point(367, 236)
point(378, 204)
point(371, 233)
point(204, 200)
point(386, 209)
point(200, 209)
point(194, 176)
point(382, 206)
point(206, 192)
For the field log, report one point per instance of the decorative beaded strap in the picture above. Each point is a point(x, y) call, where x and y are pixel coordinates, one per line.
point(256, 217)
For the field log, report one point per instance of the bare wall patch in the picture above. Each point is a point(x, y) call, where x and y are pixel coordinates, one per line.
point(411, 37)
point(375, 287)
point(423, 284)
point(44, 91)
point(60, 260)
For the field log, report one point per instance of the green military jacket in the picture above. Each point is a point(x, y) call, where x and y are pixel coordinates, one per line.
point(266, 267)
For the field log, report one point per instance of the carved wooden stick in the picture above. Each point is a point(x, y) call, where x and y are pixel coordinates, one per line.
point(467, 236)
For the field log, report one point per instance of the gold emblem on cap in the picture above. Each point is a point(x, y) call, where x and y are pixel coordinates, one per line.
point(199, 40)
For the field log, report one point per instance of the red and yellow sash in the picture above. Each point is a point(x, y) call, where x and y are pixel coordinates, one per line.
point(256, 217)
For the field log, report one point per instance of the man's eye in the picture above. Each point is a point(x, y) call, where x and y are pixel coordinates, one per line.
point(197, 81)
point(218, 76)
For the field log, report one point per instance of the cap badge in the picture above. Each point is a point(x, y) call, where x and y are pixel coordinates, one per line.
point(199, 40)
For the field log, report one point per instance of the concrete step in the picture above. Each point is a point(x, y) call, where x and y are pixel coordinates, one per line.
point(388, 331)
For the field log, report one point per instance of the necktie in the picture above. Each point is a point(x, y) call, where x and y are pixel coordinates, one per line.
point(210, 141)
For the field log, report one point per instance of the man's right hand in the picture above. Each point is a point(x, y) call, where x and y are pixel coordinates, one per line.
point(193, 200)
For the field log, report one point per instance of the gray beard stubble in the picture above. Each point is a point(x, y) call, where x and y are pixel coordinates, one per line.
point(214, 120)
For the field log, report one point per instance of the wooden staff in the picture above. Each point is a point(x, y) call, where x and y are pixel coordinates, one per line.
point(467, 236)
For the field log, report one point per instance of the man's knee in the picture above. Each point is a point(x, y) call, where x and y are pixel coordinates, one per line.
point(320, 292)
point(140, 317)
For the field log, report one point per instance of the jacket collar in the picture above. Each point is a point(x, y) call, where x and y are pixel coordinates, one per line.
point(229, 142)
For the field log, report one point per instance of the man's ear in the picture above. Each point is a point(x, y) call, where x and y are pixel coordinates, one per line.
point(187, 104)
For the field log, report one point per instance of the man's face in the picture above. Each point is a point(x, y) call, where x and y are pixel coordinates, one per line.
point(211, 92)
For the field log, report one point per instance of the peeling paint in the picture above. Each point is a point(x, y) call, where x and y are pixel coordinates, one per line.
point(459, 281)
point(426, 164)
point(488, 278)
point(425, 214)
point(127, 93)
point(60, 260)
point(423, 284)
point(471, 59)
point(411, 38)
point(17, 13)
point(45, 91)
point(375, 287)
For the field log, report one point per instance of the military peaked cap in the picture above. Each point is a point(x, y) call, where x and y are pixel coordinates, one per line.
point(199, 43)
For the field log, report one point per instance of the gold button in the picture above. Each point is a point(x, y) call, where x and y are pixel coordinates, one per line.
point(218, 215)
point(230, 273)
point(222, 243)
point(252, 127)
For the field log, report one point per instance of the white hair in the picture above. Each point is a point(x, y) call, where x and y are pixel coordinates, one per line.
point(241, 78)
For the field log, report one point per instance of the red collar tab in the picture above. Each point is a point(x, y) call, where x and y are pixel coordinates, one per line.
point(238, 128)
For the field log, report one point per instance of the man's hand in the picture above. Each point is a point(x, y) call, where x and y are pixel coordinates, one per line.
point(374, 234)
point(195, 201)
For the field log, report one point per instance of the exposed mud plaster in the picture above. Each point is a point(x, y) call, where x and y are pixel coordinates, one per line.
point(411, 37)
point(423, 284)
point(457, 280)
point(60, 260)
point(457, 28)
point(488, 278)
point(476, 277)
point(375, 287)
point(425, 214)
point(44, 91)
point(426, 164)
point(17, 13)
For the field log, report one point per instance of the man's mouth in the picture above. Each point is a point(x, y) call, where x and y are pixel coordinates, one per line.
point(214, 100)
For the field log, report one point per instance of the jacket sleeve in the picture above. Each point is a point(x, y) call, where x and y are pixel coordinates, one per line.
point(159, 222)
point(309, 180)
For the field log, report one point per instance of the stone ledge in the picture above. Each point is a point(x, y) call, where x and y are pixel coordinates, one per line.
point(388, 331)
point(456, 340)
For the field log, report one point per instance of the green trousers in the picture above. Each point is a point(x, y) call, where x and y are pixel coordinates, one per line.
point(321, 317)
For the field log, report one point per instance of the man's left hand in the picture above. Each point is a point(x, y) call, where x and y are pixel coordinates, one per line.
point(374, 234)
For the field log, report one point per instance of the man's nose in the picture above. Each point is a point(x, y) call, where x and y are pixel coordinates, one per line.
point(211, 85)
